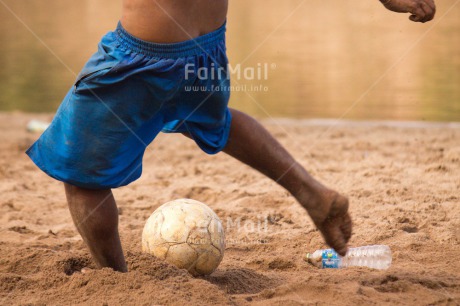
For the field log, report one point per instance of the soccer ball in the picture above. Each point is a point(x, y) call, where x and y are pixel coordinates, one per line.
point(187, 234)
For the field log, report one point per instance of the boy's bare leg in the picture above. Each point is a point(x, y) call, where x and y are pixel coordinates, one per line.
point(95, 215)
point(250, 143)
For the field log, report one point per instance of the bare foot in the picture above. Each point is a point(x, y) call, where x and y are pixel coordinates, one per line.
point(329, 212)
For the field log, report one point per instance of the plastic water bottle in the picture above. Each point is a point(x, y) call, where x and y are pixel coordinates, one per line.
point(373, 256)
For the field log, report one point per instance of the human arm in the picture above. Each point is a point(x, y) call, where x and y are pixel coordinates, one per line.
point(420, 10)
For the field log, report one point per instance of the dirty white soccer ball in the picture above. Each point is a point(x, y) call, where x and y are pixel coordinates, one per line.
point(187, 234)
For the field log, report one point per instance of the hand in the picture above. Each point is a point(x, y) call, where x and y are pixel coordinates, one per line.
point(421, 10)
point(334, 223)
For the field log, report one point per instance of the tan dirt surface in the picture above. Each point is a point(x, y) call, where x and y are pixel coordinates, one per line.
point(403, 181)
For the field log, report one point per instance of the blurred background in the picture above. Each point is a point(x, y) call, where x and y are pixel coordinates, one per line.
point(325, 58)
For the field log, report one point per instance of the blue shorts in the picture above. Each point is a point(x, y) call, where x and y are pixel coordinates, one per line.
point(127, 93)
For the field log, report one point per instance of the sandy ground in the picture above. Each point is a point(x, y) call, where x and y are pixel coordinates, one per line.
point(403, 182)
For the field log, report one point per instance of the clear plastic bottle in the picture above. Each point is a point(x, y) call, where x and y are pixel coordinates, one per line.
point(373, 256)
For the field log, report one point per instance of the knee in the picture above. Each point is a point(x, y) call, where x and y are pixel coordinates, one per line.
point(92, 208)
point(77, 193)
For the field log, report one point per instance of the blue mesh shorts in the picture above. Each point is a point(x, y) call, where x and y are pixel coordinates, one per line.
point(127, 93)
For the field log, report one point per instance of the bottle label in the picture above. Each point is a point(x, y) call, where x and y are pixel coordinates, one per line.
point(330, 259)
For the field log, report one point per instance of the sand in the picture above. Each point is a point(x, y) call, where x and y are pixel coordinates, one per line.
point(403, 181)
